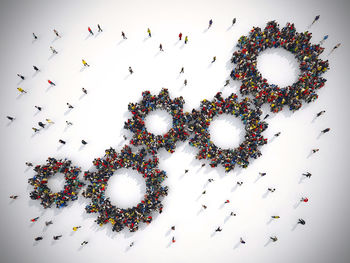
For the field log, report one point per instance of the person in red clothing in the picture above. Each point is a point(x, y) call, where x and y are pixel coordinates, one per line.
point(51, 83)
point(180, 36)
point(90, 31)
point(304, 199)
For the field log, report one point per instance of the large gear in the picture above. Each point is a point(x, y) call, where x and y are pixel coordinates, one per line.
point(149, 103)
point(227, 157)
point(311, 66)
point(106, 167)
point(43, 192)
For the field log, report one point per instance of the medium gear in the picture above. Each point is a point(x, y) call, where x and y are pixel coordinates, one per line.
point(311, 66)
point(227, 157)
point(43, 192)
point(106, 167)
point(152, 142)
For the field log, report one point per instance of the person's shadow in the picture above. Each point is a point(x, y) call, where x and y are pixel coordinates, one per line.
point(237, 245)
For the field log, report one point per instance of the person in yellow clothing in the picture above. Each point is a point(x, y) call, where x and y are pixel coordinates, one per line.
point(149, 32)
point(76, 228)
point(50, 121)
point(85, 64)
point(21, 90)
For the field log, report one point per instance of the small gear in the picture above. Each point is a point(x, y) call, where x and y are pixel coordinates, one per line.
point(311, 67)
point(228, 158)
point(106, 167)
point(152, 142)
point(43, 192)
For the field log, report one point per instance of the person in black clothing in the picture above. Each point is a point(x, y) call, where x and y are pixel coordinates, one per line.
point(320, 113)
point(326, 130)
point(57, 237)
point(307, 174)
point(42, 125)
point(10, 118)
point(21, 76)
point(35, 37)
point(83, 142)
point(99, 28)
point(61, 141)
point(38, 238)
point(123, 35)
point(301, 221)
point(218, 229)
point(38, 107)
point(35, 68)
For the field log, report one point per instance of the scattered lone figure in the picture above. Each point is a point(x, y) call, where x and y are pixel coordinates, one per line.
point(326, 130)
point(320, 113)
point(38, 238)
point(304, 199)
point(54, 51)
point(21, 76)
point(90, 31)
point(84, 243)
point(266, 116)
point(315, 150)
point(69, 106)
point(186, 171)
point(210, 23)
point(277, 134)
point(61, 141)
point(84, 90)
point(324, 39)
point(239, 183)
point(99, 28)
point(185, 83)
point(123, 35)
point(29, 164)
point(42, 125)
point(233, 21)
point(69, 123)
point(186, 39)
point(262, 174)
point(204, 206)
point(161, 47)
point(180, 36)
point(149, 32)
point(307, 174)
point(47, 223)
point(14, 197)
point(51, 83)
point(21, 90)
point(35, 219)
point(38, 107)
point(76, 228)
point(315, 19)
point(10, 118)
point(275, 217)
point(227, 82)
point(271, 189)
point(214, 59)
point(173, 240)
point(56, 33)
point(182, 70)
point(85, 63)
point(241, 240)
point(36, 68)
point(83, 142)
point(35, 37)
point(274, 239)
point(57, 237)
point(130, 70)
point(232, 214)
point(335, 47)
point(218, 229)
point(301, 221)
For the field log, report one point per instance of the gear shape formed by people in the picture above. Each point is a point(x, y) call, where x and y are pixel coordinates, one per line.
point(228, 158)
point(152, 142)
point(106, 167)
point(311, 66)
point(43, 192)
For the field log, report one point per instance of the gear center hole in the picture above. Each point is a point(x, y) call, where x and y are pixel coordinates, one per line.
point(56, 182)
point(278, 66)
point(126, 188)
point(158, 122)
point(226, 131)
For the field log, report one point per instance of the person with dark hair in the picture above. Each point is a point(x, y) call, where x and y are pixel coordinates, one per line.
point(123, 35)
point(38, 238)
point(35, 37)
point(233, 21)
point(307, 174)
point(241, 240)
point(21, 76)
point(301, 221)
point(274, 239)
point(326, 130)
point(51, 83)
point(99, 28)
point(130, 70)
point(83, 142)
point(210, 23)
point(10, 118)
point(69, 106)
point(38, 107)
point(56, 33)
point(218, 229)
point(84, 90)
point(161, 47)
point(61, 141)
point(57, 237)
point(90, 31)
point(320, 113)
point(42, 125)
point(180, 36)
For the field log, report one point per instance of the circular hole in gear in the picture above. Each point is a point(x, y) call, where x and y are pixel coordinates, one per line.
point(278, 66)
point(226, 131)
point(126, 188)
point(56, 182)
point(158, 122)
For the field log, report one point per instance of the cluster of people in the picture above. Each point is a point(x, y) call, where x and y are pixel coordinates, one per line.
point(311, 66)
point(149, 103)
point(42, 176)
point(250, 117)
point(106, 167)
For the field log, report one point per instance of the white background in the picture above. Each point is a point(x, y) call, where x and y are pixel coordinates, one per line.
point(99, 116)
